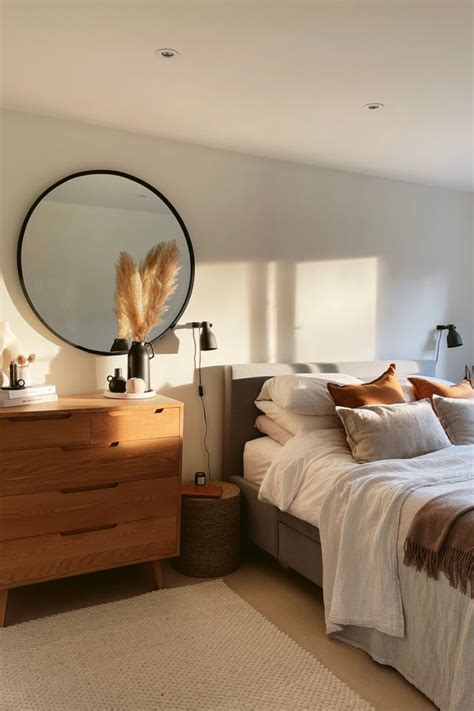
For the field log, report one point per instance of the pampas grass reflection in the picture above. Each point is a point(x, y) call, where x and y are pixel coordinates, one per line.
point(143, 290)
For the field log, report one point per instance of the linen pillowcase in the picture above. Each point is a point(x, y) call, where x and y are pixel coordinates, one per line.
point(304, 393)
point(269, 427)
point(385, 390)
point(297, 424)
point(457, 418)
point(399, 431)
point(425, 388)
point(409, 389)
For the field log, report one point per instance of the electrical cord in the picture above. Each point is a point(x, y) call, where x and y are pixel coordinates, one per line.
point(440, 333)
point(204, 413)
point(197, 366)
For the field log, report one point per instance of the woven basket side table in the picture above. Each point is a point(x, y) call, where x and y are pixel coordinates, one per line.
point(210, 534)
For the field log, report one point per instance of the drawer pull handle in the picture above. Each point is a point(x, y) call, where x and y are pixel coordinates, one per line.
point(114, 444)
point(38, 418)
point(122, 413)
point(94, 487)
point(129, 413)
point(75, 447)
point(87, 530)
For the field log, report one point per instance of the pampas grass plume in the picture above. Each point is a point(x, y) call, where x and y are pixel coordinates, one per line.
point(143, 291)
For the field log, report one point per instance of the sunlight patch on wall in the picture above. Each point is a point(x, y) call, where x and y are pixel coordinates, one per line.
point(335, 310)
point(223, 294)
point(288, 311)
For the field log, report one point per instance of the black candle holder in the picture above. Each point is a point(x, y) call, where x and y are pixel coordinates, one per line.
point(16, 383)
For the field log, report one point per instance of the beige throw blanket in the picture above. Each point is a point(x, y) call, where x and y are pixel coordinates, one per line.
point(359, 525)
point(441, 538)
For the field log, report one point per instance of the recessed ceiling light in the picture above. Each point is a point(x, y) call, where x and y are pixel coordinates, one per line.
point(373, 106)
point(166, 52)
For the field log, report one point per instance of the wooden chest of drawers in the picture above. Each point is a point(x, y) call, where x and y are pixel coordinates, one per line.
point(87, 484)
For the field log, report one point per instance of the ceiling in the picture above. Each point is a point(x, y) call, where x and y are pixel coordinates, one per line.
point(106, 190)
point(281, 79)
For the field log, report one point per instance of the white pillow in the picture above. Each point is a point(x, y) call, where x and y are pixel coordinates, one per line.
point(457, 418)
point(305, 393)
point(297, 424)
point(401, 431)
point(409, 391)
point(269, 427)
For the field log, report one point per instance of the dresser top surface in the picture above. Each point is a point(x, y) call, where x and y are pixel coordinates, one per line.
point(94, 402)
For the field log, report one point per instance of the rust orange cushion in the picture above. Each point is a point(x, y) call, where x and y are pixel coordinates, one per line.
point(427, 388)
point(386, 390)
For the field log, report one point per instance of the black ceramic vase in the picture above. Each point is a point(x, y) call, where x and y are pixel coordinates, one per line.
point(117, 382)
point(139, 356)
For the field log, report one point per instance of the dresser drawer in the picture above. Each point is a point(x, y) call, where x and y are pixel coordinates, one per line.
point(72, 509)
point(25, 472)
point(55, 556)
point(46, 430)
point(134, 424)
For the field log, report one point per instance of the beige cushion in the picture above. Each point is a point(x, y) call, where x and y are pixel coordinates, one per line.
point(401, 431)
point(457, 418)
point(269, 427)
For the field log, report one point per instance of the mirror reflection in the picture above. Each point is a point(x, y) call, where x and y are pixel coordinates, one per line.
point(71, 242)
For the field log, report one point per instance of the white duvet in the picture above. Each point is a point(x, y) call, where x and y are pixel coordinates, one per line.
point(307, 467)
point(372, 600)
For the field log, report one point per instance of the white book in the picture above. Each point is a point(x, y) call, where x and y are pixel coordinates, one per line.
point(33, 400)
point(29, 391)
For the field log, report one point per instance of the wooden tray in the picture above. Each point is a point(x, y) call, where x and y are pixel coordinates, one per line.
point(130, 396)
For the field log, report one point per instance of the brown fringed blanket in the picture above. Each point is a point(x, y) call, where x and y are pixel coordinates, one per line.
point(441, 538)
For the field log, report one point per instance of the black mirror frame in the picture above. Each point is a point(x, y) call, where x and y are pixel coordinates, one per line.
point(144, 184)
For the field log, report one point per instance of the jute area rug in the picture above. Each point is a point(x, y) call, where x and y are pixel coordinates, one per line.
point(196, 647)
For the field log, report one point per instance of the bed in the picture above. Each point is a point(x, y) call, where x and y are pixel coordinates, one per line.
point(431, 654)
point(291, 541)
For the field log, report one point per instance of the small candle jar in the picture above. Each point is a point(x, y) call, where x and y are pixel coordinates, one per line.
point(200, 479)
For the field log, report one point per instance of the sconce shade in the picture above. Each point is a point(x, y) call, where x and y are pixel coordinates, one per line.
point(454, 340)
point(207, 340)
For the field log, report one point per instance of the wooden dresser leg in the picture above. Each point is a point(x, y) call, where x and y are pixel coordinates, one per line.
point(158, 574)
point(3, 607)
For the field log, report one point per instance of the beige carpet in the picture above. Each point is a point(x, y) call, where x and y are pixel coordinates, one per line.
point(194, 647)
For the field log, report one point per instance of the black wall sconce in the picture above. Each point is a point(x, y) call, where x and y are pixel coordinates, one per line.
point(453, 338)
point(207, 342)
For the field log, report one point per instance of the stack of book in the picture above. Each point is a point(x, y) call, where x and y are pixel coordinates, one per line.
point(27, 396)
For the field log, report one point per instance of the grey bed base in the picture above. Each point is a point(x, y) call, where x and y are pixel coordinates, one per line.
point(289, 540)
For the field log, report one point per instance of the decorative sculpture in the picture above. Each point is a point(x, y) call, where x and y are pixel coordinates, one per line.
point(10, 349)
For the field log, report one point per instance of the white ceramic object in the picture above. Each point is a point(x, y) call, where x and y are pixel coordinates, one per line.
point(6, 335)
point(135, 386)
point(25, 374)
point(10, 348)
point(130, 396)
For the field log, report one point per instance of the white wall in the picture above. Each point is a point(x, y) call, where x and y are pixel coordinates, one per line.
point(293, 261)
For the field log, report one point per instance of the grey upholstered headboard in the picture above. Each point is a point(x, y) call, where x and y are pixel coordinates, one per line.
point(243, 383)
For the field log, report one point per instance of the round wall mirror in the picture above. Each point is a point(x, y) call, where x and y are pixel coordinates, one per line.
point(70, 244)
